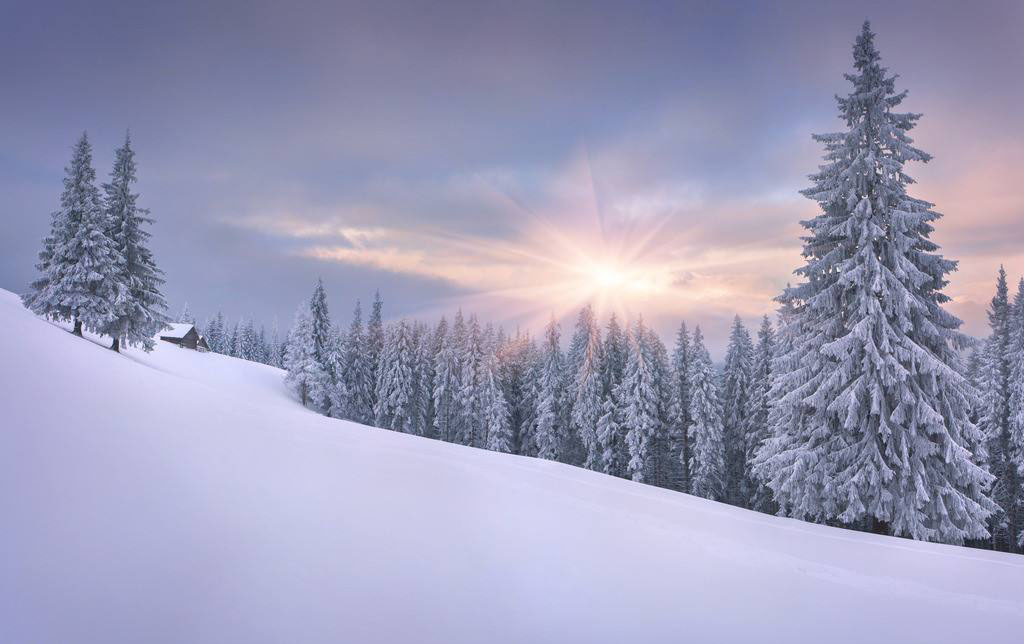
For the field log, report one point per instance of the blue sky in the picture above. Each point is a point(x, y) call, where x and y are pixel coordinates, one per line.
point(511, 159)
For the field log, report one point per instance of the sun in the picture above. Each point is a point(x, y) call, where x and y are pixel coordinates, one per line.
point(606, 275)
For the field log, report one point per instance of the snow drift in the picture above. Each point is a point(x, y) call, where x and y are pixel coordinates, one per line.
point(184, 497)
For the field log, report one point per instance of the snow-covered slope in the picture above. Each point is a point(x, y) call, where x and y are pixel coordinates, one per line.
point(183, 497)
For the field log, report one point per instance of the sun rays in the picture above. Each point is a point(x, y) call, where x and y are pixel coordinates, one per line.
point(549, 252)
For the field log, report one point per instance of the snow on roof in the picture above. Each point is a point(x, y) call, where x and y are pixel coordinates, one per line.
point(177, 330)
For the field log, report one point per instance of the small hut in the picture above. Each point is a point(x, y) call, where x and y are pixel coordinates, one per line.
point(185, 335)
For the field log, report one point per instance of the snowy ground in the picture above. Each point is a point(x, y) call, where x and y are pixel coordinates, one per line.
point(183, 497)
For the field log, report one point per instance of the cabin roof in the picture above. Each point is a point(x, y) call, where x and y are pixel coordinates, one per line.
point(177, 330)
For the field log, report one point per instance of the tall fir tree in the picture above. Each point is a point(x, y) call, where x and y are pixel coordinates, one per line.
point(513, 367)
point(323, 347)
point(587, 387)
point(247, 342)
point(996, 422)
point(320, 319)
point(1017, 402)
point(80, 266)
point(142, 311)
point(468, 399)
point(638, 399)
point(395, 379)
point(423, 379)
point(375, 341)
point(234, 348)
point(681, 417)
point(186, 316)
point(610, 433)
point(445, 378)
point(707, 458)
point(663, 472)
point(262, 349)
point(356, 377)
point(497, 428)
point(547, 434)
point(530, 403)
point(758, 429)
point(304, 374)
point(878, 417)
point(610, 438)
point(215, 334)
point(274, 345)
point(736, 394)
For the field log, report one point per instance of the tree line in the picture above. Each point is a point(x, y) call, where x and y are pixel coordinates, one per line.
point(240, 340)
point(615, 400)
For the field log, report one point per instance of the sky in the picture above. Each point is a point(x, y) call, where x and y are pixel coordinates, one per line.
point(511, 159)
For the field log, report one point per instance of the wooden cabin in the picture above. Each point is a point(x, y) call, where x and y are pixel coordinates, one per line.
point(185, 335)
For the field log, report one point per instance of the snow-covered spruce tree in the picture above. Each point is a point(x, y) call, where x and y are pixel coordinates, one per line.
point(375, 342)
point(240, 348)
point(707, 455)
point(613, 354)
point(80, 266)
point(338, 389)
point(681, 416)
point(980, 377)
point(513, 367)
point(468, 398)
point(226, 339)
point(255, 348)
point(530, 403)
point(879, 417)
point(587, 387)
point(320, 320)
point(610, 438)
point(550, 396)
point(1004, 457)
point(304, 375)
point(356, 375)
point(445, 378)
point(1017, 399)
point(610, 432)
point(185, 316)
point(573, 450)
point(261, 343)
point(395, 379)
point(215, 334)
point(142, 310)
point(274, 346)
point(335, 358)
point(247, 349)
point(783, 420)
point(638, 399)
point(234, 339)
point(664, 468)
point(758, 431)
point(735, 397)
point(422, 375)
point(495, 409)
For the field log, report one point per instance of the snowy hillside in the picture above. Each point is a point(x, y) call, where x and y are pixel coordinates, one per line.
point(183, 497)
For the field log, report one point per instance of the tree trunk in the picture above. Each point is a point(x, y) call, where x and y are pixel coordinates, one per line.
point(78, 328)
point(880, 527)
point(116, 345)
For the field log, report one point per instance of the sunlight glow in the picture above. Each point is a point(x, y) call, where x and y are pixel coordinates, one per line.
point(601, 277)
point(555, 257)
